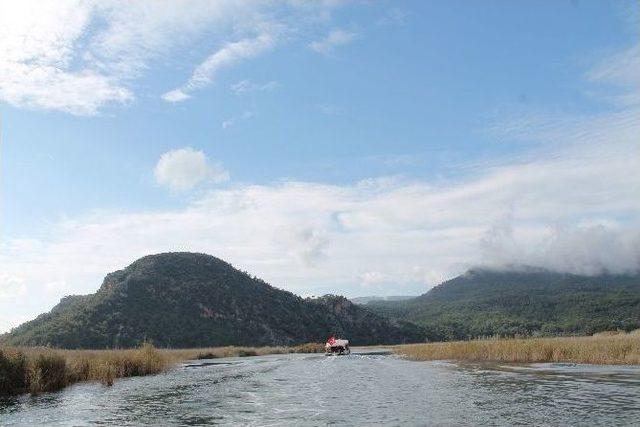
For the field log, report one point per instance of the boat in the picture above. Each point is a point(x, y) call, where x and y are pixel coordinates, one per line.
point(336, 347)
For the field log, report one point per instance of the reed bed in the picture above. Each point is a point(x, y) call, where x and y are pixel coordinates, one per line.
point(602, 349)
point(232, 351)
point(39, 369)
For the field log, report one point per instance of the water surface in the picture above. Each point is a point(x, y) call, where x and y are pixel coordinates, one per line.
point(360, 389)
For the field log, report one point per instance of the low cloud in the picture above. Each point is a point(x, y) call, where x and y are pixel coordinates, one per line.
point(309, 244)
point(587, 248)
point(573, 210)
point(371, 278)
point(12, 286)
point(314, 238)
point(571, 206)
point(337, 37)
point(185, 168)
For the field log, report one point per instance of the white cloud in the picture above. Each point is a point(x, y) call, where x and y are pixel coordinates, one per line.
point(228, 55)
point(586, 249)
point(185, 168)
point(176, 95)
point(79, 56)
point(337, 37)
point(574, 209)
point(308, 245)
point(572, 206)
point(228, 123)
point(12, 286)
point(620, 70)
point(246, 86)
point(372, 277)
point(37, 50)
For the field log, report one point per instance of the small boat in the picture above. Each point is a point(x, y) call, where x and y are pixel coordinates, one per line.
point(337, 347)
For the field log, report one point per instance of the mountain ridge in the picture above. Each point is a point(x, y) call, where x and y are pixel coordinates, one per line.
point(186, 299)
point(487, 302)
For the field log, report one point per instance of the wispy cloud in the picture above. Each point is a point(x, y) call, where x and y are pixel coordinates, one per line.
point(573, 210)
point(246, 86)
point(228, 55)
point(337, 37)
point(79, 56)
point(226, 124)
point(330, 109)
point(622, 71)
point(393, 16)
point(37, 50)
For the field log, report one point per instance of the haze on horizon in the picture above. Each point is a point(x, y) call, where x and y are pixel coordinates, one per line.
point(358, 148)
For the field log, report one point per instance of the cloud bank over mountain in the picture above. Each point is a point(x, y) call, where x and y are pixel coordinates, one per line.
point(574, 210)
point(568, 201)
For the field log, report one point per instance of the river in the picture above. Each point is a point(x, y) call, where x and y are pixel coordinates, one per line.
point(360, 389)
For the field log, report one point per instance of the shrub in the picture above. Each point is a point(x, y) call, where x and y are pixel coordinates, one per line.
point(47, 372)
point(13, 368)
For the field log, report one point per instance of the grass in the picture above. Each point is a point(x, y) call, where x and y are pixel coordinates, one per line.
point(38, 369)
point(604, 348)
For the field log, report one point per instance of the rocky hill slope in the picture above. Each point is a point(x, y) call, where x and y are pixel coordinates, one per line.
point(195, 300)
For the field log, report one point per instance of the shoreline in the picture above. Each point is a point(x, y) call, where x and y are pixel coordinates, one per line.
point(39, 369)
point(599, 349)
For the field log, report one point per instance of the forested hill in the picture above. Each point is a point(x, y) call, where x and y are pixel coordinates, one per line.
point(531, 302)
point(194, 300)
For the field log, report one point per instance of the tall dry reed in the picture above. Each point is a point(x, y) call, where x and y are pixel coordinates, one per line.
point(614, 349)
point(232, 351)
point(39, 369)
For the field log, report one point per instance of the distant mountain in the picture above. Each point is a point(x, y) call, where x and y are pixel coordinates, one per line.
point(531, 302)
point(367, 300)
point(194, 300)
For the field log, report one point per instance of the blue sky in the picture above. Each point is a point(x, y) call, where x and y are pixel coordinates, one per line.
point(347, 147)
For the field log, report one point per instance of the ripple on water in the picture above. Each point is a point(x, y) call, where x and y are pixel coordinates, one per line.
point(359, 389)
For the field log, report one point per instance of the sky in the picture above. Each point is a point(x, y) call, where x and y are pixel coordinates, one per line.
point(347, 147)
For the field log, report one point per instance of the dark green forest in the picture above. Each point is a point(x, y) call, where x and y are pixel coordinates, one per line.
point(194, 300)
point(484, 303)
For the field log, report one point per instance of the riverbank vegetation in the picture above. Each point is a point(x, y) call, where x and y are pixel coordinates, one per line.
point(40, 369)
point(217, 352)
point(613, 348)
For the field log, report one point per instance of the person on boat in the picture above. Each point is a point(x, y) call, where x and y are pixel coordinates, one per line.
point(332, 339)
